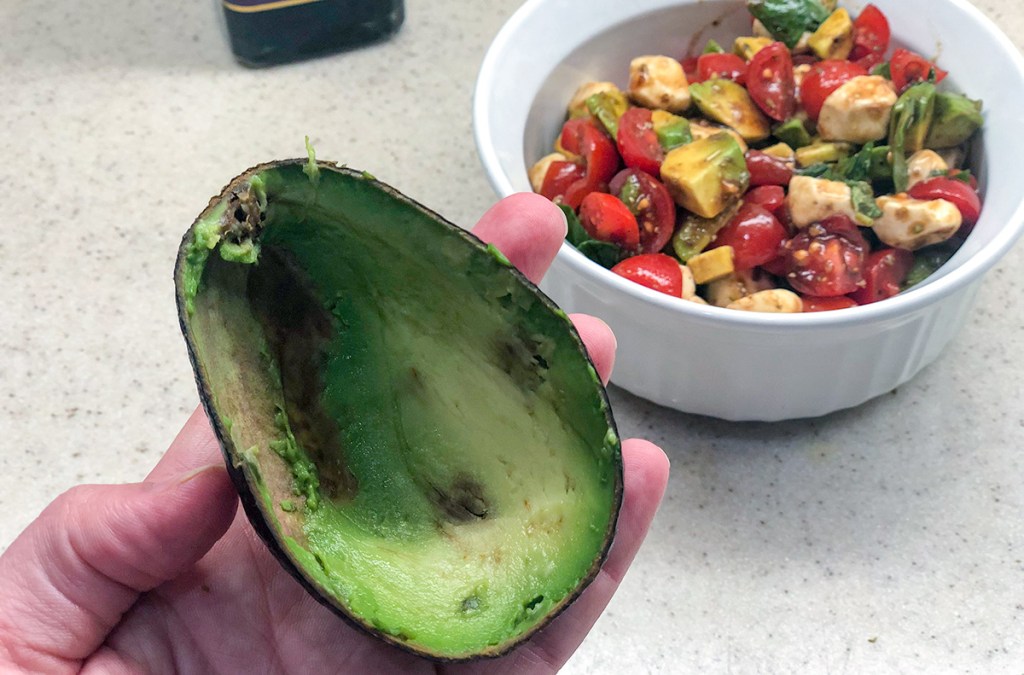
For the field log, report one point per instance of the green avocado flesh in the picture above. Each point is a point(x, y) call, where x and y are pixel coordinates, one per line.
point(422, 438)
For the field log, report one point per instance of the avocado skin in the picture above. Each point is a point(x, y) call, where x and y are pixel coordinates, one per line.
point(251, 503)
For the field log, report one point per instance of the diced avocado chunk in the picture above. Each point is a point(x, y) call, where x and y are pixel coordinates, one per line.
point(908, 127)
point(712, 47)
point(672, 130)
point(705, 175)
point(955, 120)
point(711, 265)
point(793, 133)
point(822, 152)
point(746, 47)
point(729, 103)
point(607, 107)
point(695, 233)
point(834, 37)
point(780, 150)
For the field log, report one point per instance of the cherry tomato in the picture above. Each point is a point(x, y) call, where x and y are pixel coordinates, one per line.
point(649, 200)
point(818, 304)
point(767, 170)
point(826, 259)
point(957, 192)
point(559, 177)
point(754, 234)
point(884, 271)
point(770, 81)
point(638, 142)
point(606, 218)
point(657, 271)
point(971, 180)
point(871, 36)
point(600, 161)
point(690, 69)
point(907, 68)
point(728, 66)
point(824, 78)
point(771, 197)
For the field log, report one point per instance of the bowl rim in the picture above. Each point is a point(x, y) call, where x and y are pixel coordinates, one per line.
point(903, 304)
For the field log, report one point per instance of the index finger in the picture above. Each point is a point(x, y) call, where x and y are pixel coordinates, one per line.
point(527, 228)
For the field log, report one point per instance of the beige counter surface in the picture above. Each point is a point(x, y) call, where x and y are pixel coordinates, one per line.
point(888, 538)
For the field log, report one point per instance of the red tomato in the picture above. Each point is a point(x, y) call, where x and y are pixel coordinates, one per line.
point(605, 218)
point(754, 234)
point(816, 304)
point(581, 137)
point(690, 68)
point(637, 141)
point(728, 66)
point(870, 37)
point(559, 177)
point(767, 170)
point(824, 78)
point(971, 180)
point(653, 270)
point(771, 197)
point(907, 68)
point(649, 200)
point(884, 271)
point(770, 81)
point(826, 259)
point(952, 190)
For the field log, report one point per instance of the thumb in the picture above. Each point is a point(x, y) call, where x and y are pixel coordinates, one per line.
point(68, 578)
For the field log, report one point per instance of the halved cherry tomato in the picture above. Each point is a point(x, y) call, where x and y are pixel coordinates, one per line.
point(871, 36)
point(827, 258)
point(770, 81)
point(754, 234)
point(952, 190)
point(824, 78)
point(771, 197)
point(907, 68)
point(884, 271)
point(818, 304)
point(657, 271)
point(606, 218)
point(649, 200)
point(637, 141)
point(727, 66)
point(559, 177)
point(690, 68)
point(582, 138)
point(767, 170)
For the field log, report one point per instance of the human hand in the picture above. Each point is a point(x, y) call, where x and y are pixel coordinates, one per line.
point(167, 575)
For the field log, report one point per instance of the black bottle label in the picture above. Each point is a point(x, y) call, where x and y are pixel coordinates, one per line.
point(248, 6)
point(265, 32)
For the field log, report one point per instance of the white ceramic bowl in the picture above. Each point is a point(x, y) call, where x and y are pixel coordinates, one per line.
point(726, 363)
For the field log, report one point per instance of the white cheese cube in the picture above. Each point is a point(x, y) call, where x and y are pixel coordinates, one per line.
point(922, 165)
point(812, 200)
point(858, 111)
point(659, 82)
point(912, 223)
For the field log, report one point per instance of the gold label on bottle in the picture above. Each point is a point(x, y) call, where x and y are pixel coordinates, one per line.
point(249, 6)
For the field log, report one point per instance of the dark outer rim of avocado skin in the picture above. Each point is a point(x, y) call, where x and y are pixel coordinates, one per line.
point(254, 511)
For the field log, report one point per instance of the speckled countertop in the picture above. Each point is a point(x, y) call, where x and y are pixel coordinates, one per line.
point(888, 538)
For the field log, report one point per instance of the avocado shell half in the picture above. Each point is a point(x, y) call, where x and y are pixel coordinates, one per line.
point(378, 378)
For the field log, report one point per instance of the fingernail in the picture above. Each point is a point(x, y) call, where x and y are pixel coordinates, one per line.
point(195, 473)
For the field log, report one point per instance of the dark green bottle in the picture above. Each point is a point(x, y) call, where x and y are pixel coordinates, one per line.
point(265, 32)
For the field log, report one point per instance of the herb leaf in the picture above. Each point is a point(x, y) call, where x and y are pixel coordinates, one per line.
point(788, 20)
